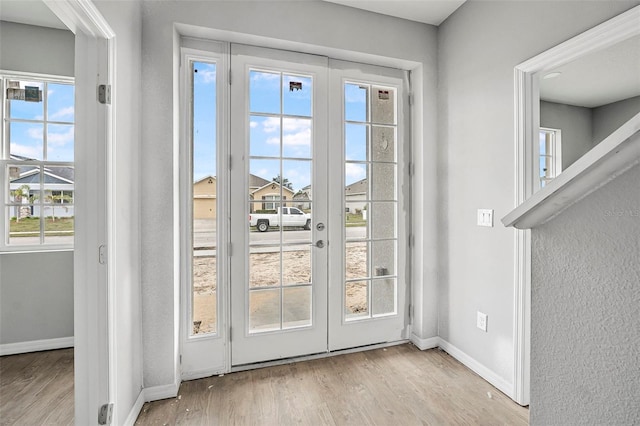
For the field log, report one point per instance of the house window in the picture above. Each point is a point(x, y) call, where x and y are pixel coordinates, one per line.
point(550, 155)
point(37, 162)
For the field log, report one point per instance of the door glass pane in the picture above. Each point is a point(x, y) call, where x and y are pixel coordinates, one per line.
point(383, 296)
point(355, 102)
point(264, 92)
point(356, 260)
point(384, 143)
point(264, 310)
point(60, 143)
point(356, 138)
point(383, 220)
point(296, 307)
point(280, 200)
point(296, 94)
point(24, 224)
point(383, 257)
point(204, 295)
point(264, 136)
point(383, 105)
point(383, 185)
point(296, 137)
point(356, 300)
point(61, 102)
point(296, 264)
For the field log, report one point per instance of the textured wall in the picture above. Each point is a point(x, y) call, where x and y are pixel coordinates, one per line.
point(585, 315)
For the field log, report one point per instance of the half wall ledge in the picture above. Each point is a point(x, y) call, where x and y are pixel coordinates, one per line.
point(610, 158)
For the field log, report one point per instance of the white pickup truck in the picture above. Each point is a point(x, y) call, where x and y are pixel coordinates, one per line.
point(291, 216)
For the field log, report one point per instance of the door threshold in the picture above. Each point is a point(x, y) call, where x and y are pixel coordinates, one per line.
point(245, 367)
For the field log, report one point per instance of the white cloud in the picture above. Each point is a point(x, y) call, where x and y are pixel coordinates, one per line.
point(354, 172)
point(253, 124)
point(26, 150)
point(264, 76)
point(35, 132)
point(60, 138)
point(64, 113)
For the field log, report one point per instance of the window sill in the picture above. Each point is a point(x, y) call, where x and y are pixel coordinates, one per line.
point(607, 160)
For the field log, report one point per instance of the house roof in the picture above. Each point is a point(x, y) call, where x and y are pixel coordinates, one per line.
point(52, 174)
point(203, 179)
point(257, 181)
point(271, 183)
point(358, 187)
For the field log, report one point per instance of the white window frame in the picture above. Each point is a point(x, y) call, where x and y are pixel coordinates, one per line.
point(555, 154)
point(5, 159)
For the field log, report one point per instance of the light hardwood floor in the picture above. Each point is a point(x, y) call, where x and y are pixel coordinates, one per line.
point(37, 388)
point(397, 386)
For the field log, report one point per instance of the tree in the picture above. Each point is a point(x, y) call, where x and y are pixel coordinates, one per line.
point(21, 196)
point(58, 199)
point(285, 182)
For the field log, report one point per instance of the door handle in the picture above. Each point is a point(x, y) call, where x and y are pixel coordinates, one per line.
point(320, 244)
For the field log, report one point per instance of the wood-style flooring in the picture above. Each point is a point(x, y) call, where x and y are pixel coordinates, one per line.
point(397, 386)
point(37, 388)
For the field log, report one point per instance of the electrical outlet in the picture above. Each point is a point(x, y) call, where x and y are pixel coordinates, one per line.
point(482, 321)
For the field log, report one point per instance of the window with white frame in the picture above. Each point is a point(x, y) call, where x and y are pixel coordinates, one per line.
point(37, 162)
point(550, 155)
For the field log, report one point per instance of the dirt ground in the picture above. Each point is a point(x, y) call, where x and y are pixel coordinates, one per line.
point(264, 272)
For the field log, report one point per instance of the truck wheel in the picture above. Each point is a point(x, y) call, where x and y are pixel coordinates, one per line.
point(263, 226)
point(307, 226)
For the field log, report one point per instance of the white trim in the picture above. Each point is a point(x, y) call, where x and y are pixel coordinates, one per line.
point(36, 346)
point(156, 393)
point(527, 120)
point(135, 410)
point(424, 344)
point(201, 374)
point(484, 372)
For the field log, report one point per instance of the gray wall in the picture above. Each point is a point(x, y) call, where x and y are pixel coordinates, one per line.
point(608, 118)
point(36, 296)
point(36, 288)
point(478, 47)
point(575, 123)
point(311, 24)
point(585, 321)
point(36, 49)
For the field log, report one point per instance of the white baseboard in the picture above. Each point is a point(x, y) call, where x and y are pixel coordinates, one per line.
point(491, 377)
point(36, 346)
point(135, 410)
point(156, 393)
point(424, 344)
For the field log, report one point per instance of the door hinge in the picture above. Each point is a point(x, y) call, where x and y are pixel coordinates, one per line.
point(105, 414)
point(102, 254)
point(410, 99)
point(411, 312)
point(229, 76)
point(230, 333)
point(104, 94)
point(229, 162)
point(412, 240)
point(180, 359)
point(229, 249)
point(412, 169)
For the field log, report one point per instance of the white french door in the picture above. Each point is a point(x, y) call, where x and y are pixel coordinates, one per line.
point(279, 162)
point(317, 146)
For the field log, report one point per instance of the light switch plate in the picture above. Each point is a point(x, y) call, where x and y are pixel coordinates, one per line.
point(485, 217)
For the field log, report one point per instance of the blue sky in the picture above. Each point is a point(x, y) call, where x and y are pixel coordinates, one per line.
point(27, 139)
point(280, 125)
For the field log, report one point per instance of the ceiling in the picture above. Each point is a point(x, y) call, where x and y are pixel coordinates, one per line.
point(432, 12)
point(32, 12)
point(603, 77)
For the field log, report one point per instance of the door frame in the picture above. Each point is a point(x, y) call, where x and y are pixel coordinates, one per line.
point(94, 312)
